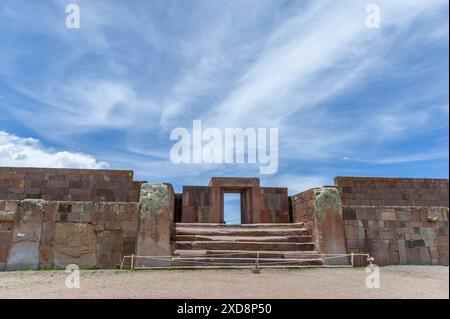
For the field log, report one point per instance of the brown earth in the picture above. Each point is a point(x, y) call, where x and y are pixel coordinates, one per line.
point(395, 282)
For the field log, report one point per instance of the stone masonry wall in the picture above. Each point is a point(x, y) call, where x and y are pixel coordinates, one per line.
point(374, 191)
point(398, 234)
point(397, 221)
point(39, 234)
point(274, 205)
point(196, 204)
point(68, 184)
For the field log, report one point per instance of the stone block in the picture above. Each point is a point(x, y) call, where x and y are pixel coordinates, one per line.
point(434, 216)
point(361, 233)
point(403, 216)
point(413, 255)
point(403, 259)
point(109, 249)
point(442, 231)
point(128, 246)
point(7, 216)
point(127, 216)
point(29, 221)
point(155, 227)
point(434, 252)
point(394, 258)
point(26, 236)
point(415, 243)
point(350, 232)
point(12, 206)
point(5, 241)
point(48, 232)
point(428, 233)
point(24, 255)
point(388, 215)
point(46, 256)
point(349, 213)
point(425, 257)
point(130, 228)
point(75, 243)
point(381, 252)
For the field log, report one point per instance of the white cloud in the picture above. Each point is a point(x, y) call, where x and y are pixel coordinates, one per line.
point(28, 152)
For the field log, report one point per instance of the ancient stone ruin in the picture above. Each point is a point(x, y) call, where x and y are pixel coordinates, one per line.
point(50, 218)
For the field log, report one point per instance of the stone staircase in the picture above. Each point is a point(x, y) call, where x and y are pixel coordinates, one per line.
point(201, 245)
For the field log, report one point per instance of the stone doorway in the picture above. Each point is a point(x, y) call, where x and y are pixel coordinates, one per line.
point(232, 208)
point(249, 191)
point(205, 204)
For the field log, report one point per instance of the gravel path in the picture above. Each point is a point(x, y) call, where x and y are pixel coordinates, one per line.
point(395, 282)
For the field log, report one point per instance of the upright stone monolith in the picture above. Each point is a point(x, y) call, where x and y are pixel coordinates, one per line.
point(155, 227)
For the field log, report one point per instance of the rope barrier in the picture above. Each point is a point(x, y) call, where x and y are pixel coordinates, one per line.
point(271, 261)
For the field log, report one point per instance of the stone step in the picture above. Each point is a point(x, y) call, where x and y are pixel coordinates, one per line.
point(243, 245)
point(199, 245)
point(247, 254)
point(239, 231)
point(242, 226)
point(297, 239)
point(228, 261)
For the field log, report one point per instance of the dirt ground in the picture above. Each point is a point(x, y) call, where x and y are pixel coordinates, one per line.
point(395, 282)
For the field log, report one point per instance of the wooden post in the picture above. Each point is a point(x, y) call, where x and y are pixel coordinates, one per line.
point(132, 261)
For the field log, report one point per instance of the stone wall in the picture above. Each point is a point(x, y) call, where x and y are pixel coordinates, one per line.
point(398, 234)
point(397, 221)
point(274, 205)
point(68, 184)
point(375, 191)
point(196, 204)
point(52, 234)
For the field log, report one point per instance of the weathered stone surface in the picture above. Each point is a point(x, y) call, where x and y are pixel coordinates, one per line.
point(26, 236)
point(349, 213)
point(411, 215)
point(67, 184)
point(403, 259)
point(155, 228)
point(28, 224)
point(404, 227)
point(388, 215)
point(75, 243)
point(331, 228)
point(46, 256)
point(5, 241)
point(109, 249)
point(7, 216)
point(321, 208)
point(376, 191)
point(24, 256)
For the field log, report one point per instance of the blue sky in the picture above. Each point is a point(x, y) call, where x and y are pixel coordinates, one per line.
point(346, 99)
